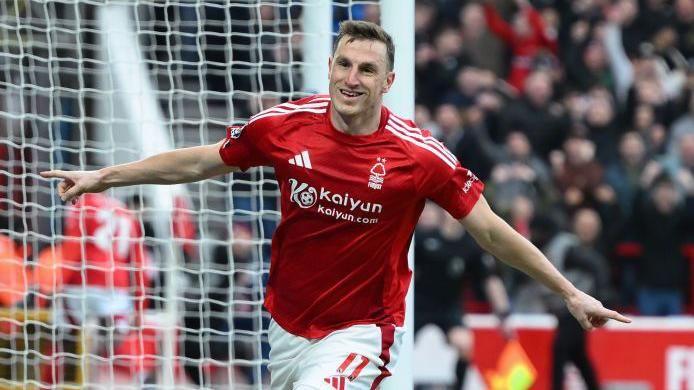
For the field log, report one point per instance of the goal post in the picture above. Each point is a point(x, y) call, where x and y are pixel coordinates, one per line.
point(317, 44)
point(397, 17)
point(85, 84)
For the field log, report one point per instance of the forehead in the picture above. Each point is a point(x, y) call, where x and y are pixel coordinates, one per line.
point(362, 50)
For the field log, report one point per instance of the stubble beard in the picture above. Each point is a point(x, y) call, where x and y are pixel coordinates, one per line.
point(345, 109)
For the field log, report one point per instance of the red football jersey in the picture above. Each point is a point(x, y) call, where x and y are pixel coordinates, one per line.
point(349, 207)
point(103, 242)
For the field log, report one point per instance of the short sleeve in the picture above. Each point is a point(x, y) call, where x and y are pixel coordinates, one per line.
point(442, 179)
point(459, 193)
point(242, 146)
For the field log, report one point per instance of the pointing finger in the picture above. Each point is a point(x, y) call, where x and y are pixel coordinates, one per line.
point(54, 173)
point(615, 316)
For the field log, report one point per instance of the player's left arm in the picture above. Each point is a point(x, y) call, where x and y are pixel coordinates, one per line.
point(494, 235)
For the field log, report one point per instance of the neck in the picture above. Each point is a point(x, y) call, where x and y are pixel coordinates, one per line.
point(363, 124)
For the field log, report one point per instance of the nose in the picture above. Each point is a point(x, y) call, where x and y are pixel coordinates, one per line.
point(352, 80)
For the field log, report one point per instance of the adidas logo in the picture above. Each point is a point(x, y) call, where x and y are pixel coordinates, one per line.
point(301, 160)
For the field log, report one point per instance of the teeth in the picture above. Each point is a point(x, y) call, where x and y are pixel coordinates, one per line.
point(350, 94)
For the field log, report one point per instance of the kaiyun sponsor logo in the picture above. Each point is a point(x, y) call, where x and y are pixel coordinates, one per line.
point(307, 196)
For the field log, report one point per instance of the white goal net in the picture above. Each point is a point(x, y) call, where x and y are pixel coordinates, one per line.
point(173, 300)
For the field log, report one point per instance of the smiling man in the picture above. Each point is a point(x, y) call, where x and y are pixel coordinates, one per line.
point(354, 178)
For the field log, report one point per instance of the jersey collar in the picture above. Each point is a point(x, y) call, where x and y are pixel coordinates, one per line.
point(356, 139)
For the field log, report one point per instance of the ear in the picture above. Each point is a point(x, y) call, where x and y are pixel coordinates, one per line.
point(390, 78)
point(330, 66)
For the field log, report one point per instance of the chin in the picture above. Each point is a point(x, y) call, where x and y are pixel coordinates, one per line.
point(347, 110)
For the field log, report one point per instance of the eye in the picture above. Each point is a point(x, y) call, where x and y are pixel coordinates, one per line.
point(368, 70)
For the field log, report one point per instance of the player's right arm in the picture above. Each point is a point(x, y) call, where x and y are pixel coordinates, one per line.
point(495, 236)
point(177, 166)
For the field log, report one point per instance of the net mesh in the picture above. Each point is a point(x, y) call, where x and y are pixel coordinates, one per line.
point(208, 64)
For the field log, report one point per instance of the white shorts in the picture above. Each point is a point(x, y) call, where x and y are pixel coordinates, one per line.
point(358, 357)
point(82, 304)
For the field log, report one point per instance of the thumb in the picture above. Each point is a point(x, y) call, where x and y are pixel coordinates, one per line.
point(72, 193)
point(585, 323)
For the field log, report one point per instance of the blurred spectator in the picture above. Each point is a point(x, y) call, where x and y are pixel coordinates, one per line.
point(446, 255)
point(579, 176)
point(585, 267)
point(600, 119)
point(521, 173)
point(449, 48)
point(422, 117)
point(450, 124)
point(426, 68)
point(655, 83)
point(654, 134)
point(522, 213)
point(586, 62)
point(436, 64)
point(659, 222)
point(535, 114)
point(474, 147)
point(483, 49)
point(545, 233)
point(624, 175)
point(684, 125)
point(628, 14)
point(680, 166)
point(425, 15)
point(526, 36)
point(469, 82)
point(654, 15)
point(684, 23)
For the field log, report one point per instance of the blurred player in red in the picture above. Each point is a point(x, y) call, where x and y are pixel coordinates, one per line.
point(353, 179)
point(96, 273)
point(13, 273)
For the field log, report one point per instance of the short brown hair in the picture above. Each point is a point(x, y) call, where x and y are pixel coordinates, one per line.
point(359, 29)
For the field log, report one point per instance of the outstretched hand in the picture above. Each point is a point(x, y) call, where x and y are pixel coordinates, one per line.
point(590, 313)
point(76, 183)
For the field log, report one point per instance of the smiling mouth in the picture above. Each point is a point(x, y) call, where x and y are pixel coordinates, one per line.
point(350, 94)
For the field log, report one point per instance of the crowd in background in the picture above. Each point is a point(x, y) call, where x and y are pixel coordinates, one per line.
point(579, 117)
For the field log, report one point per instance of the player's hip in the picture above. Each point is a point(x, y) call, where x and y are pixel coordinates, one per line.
point(357, 357)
